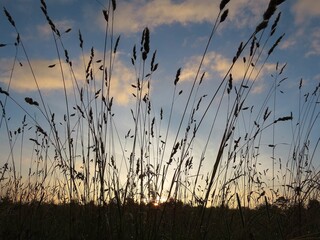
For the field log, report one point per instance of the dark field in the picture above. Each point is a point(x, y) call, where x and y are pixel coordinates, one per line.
point(172, 220)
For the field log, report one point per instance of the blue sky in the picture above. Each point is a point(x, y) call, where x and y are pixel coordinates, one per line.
point(179, 31)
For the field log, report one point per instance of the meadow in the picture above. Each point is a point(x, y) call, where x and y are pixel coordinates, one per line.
point(91, 177)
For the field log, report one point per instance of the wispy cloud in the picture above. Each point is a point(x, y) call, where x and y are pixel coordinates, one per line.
point(133, 16)
point(44, 30)
point(257, 89)
point(315, 43)
point(288, 43)
point(306, 14)
point(47, 78)
point(216, 66)
point(305, 10)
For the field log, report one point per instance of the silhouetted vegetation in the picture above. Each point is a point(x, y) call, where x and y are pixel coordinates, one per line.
point(85, 181)
point(142, 221)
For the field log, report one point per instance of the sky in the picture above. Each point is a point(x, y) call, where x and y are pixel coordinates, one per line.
point(179, 31)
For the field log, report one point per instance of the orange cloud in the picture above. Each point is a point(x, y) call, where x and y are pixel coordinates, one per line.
point(50, 78)
point(47, 78)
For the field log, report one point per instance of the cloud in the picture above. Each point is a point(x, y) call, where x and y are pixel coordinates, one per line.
point(122, 78)
point(306, 15)
point(317, 77)
point(50, 79)
point(305, 10)
point(257, 89)
point(134, 16)
point(244, 13)
point(288, 43)
point(216, 65)
point(47, 78)
point(44, 30)
point(315, 43)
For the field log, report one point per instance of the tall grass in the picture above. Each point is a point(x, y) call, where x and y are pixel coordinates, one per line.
point(142, 182)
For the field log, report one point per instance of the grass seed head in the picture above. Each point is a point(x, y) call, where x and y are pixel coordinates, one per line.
point(223, 3)
point(176, 80)
point(261, 26)
point(224, 15)
point(106, 15)
point(145, 42)
point(114, 5)
point(10, 19)
point(274, 25)
point(269, 12)
point(116, 45)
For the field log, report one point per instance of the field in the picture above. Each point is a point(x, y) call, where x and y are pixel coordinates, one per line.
point(81, 165)
point(172, 220)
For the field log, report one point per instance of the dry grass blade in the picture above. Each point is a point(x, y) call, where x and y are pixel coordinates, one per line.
point(267, 207)
point(240, 209)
